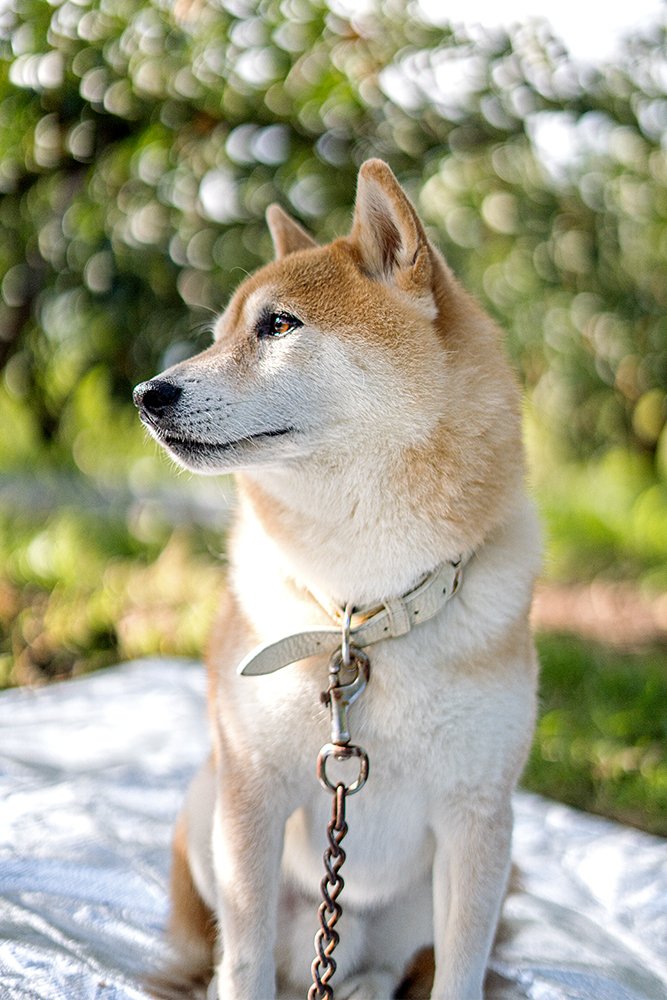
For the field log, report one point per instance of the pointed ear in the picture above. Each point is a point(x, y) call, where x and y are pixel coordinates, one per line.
point(287, 235)
point(388, 232)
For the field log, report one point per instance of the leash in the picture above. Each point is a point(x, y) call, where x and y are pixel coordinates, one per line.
point(347, 662)
point(349, 673)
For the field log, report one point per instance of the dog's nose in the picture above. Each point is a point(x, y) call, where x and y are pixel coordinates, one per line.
point(156, 396)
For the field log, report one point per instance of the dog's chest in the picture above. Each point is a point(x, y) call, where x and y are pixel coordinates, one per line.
point(388, 831)
point(426, 713)
point(437, 709)
point(437, 739)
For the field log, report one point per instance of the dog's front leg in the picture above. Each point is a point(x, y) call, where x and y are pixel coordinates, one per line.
point(470, 874)
point(248, 835)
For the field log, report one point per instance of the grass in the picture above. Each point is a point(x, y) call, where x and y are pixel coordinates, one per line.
point(78, 592)
point(606, 516)
point(602, 733)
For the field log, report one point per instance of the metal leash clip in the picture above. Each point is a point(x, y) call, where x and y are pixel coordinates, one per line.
point(339, 697)
point(346, 662)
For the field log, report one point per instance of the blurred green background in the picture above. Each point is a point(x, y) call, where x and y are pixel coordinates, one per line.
point(140, 145)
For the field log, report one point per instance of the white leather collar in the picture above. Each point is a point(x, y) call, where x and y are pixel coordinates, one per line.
point(389, 620)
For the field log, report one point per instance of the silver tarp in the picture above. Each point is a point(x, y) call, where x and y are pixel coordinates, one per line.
point(92, 773)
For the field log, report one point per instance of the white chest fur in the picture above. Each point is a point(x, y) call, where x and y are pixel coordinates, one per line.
point(446, 717)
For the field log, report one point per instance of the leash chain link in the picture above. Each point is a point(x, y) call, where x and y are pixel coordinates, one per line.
point(338, 697)
point(331, 886)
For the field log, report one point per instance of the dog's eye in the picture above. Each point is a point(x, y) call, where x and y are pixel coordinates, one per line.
point(277, 324)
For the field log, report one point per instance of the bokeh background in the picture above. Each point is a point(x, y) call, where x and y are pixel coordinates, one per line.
point(140, 143)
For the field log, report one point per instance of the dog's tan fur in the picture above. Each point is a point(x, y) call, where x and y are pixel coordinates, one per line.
point(378, 439)
point(191, 920)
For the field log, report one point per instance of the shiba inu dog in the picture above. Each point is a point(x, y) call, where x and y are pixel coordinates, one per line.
point(363, 401)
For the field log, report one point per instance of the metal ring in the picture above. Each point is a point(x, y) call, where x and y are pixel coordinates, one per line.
point(342, 753)
point(357, 660)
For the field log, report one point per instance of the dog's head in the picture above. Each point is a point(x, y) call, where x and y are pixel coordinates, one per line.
point(327, 349)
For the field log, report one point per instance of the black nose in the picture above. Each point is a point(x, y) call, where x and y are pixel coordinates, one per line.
point(156, 396)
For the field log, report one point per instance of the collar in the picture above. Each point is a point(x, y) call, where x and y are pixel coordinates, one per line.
point(388, 620)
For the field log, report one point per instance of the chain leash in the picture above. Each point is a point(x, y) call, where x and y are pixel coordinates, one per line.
point(350, 664)
point(331, 886)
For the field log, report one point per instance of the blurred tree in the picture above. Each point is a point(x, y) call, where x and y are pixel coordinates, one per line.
point(142, 140)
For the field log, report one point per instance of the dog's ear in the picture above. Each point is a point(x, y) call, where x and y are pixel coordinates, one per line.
point(287, 235)
point(388, 232)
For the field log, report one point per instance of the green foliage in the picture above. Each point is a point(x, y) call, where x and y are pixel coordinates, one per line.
point(142, 142)
point(602, 734)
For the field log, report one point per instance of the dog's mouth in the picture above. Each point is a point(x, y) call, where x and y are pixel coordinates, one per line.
point(193, 446)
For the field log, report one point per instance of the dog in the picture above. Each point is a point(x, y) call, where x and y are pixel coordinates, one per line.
point(364, 403)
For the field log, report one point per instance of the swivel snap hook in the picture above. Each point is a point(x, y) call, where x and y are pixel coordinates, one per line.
point(339, 696)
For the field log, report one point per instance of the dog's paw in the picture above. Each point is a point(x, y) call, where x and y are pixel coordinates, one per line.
point(367, 986)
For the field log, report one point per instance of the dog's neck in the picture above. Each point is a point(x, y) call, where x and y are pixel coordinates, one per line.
point(365, 532)
point(332, 544)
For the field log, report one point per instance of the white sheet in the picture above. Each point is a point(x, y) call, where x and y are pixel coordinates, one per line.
point(92, 773)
